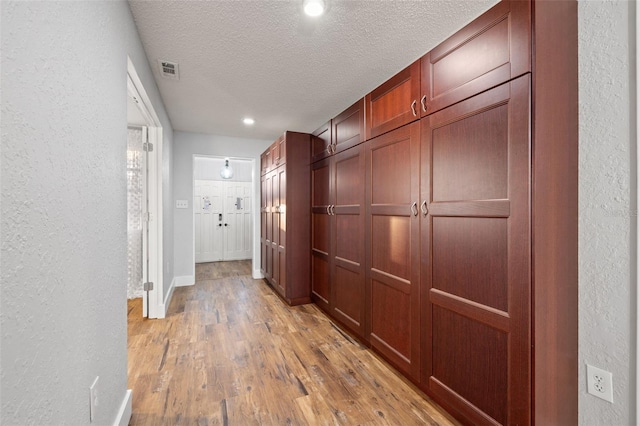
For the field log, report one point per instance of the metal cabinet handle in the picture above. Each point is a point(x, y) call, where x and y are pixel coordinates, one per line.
point(329, 210)
point(414, 209)
point(333, 210)
point(422, 102)
point(413, 108)
point(334, 148)
point(424, 208)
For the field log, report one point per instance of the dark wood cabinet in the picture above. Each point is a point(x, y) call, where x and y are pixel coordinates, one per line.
point(468, 178)
point(321, 233)
point(489, 51)
point(348, 128)
point(337, 210)
point(394, 103)
point(476, 251)
point(286, 216)
point(347, 255)
point(393, 247)
point(321, 142)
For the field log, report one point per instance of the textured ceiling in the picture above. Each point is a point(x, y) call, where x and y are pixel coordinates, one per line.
point(267, 60)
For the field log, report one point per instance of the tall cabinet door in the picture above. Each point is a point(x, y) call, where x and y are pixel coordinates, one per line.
point(476, 255)
point(392, 243)
point(268, 184)
point(281, 228)
point(347, 238)
point(320, 246)
point(263, 224)
point(272, 227)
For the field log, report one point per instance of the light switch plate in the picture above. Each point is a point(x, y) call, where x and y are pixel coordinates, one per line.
point(182, 204)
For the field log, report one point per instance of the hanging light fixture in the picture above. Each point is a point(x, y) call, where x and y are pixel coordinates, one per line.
point(227, 171)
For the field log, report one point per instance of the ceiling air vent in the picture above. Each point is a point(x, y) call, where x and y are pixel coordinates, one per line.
point(169, 70)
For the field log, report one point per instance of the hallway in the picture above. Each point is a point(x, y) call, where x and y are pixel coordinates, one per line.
point(231, 352)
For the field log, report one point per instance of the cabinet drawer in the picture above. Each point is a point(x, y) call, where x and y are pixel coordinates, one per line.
point(493, 49)
point(394, 103)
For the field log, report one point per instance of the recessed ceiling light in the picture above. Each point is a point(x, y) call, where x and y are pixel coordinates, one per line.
point(248, 121)
point(313, 7)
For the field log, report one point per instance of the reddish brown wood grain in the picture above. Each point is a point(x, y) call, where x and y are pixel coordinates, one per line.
point(394, 103)
point(477, 269)
point(555, 212)
point(489, 51)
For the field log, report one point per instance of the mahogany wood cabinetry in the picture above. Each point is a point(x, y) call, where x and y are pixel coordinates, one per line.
point(337, 210)
point(476, 255)
point(393, 247)
point(489, 51)
point(285, 221)
point(469, 176)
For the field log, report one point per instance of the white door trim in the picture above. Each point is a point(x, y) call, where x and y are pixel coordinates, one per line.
point(136, 89)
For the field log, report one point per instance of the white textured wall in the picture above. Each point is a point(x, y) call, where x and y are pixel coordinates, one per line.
point(186, 146)
point(607, 207)
point(63, 213)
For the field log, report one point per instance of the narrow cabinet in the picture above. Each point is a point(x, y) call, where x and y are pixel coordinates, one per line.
point(321, 142)
point(321, 233)
point(286, 217)
point(393, 247)
point(347, 214)
point(476, 255)
point(337, 211)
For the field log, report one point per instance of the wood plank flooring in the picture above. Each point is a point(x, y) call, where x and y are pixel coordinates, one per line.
point(231, 352)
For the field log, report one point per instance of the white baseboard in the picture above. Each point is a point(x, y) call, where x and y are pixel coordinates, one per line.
point(167, 300)
point(184, 280)
point(257, 275)
point(124, 414)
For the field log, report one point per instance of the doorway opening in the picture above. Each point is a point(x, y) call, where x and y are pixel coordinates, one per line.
point(144, 199)
point(223, 208)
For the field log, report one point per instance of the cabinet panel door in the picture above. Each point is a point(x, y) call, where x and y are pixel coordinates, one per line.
point(491, 50)
point(320, 248)
point(281, 151)
point(274, 227)
point(280, 217)
point(268, 181)
point(392, 239)
point(348, 127)
point(347, 237)
point(394, 103)
point(264, 162)
point(263, 224)
point(476, 255)
point(275, 154)
point(320, 141)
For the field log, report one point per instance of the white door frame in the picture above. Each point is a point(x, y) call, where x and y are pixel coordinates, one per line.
point(193, 193)
point(156, 296)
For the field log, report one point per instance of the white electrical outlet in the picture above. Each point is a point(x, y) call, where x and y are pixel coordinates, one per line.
point(600, 383)
point(93, 394)
point(182, 204)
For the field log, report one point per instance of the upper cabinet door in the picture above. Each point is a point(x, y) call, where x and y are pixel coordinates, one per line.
point(348, 127)
point(282, 151)
point(493, 49)
point(394, 103)
point(320, 142)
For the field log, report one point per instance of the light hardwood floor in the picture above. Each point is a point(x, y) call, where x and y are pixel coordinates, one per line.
point(231, 352)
